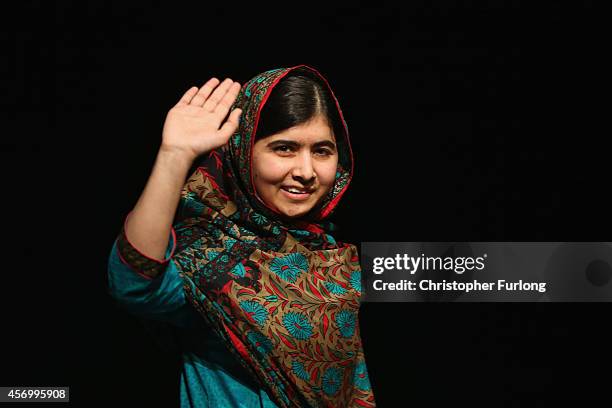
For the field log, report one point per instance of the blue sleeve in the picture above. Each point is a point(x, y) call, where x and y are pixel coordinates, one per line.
point(146, 287)
point(140, 294)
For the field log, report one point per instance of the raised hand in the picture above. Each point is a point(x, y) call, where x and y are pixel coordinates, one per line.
point(193, 126)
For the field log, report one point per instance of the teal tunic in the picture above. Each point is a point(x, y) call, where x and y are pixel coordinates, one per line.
point(211, 375)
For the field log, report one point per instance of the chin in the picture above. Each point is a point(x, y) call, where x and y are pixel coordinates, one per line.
point(294, 211)
point(294, 215)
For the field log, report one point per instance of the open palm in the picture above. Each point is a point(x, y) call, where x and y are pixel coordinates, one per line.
point(193, 126)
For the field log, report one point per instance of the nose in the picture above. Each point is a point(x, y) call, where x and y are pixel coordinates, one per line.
point(303, 169)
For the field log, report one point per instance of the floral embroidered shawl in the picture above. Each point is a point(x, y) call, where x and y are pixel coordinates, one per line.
point(283, 297)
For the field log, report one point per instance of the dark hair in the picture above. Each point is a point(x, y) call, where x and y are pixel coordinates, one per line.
point(297, 98)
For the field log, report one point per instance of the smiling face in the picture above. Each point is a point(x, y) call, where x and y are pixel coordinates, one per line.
point(294, 169)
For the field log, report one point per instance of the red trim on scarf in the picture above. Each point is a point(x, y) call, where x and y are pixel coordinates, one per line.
point(239, 345)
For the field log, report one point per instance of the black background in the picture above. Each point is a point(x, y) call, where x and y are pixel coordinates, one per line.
point(470, 121)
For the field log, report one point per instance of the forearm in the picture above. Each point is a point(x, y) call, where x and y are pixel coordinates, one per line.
point(150, 222)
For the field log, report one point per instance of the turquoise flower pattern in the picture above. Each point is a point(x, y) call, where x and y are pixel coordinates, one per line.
point(261, 342)
point(346, 323)
point(360, 377)
point(229, 243)
point(300, 233)
point(212, 254)
point(260, 219)
point(331, 380)
point(239, 270)
point(355, 280)
point(290, 266)
point(334, 288)
point(299, 370)
point(256, 311)
point(297, 325)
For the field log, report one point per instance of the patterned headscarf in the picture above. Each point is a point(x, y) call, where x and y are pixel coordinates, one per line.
point(283, 295)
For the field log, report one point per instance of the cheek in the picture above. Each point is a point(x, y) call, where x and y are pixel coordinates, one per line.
point(327, 173)
point(268, 172)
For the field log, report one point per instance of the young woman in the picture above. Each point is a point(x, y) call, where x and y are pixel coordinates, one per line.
point(239, 257)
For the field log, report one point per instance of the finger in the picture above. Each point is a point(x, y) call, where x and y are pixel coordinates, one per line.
point(217, 95)
point(200, 97)
point(230, 126)
point(228, 99)
point(187, 96)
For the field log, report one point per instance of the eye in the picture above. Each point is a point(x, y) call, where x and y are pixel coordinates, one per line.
point(323, 152)
point(283, 149)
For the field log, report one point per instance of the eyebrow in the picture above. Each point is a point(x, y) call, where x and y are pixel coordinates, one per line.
point(293, 143)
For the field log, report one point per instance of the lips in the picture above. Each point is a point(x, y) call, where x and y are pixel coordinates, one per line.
point(295, 193)
point(297, 190)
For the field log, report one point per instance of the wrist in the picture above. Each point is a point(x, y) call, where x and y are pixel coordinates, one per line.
point(176, 155)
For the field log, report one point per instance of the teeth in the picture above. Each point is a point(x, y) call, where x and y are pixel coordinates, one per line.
point(292, 190)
